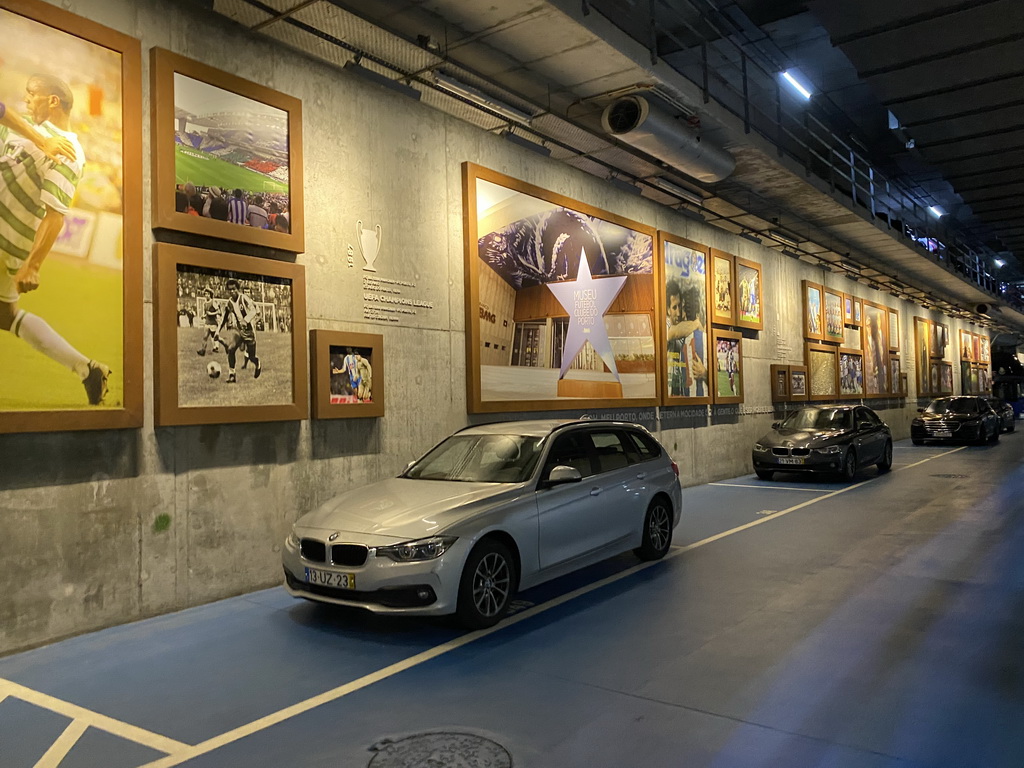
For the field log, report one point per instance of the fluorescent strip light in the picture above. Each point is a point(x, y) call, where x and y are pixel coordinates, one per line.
point(793, 82)
point(999, 262)
point(375, 77)
point(624, 185)
point(936, 211)
point(480, 99)
point(674, 189)
point(781, 237)
point(750, 237)
point(526, 143)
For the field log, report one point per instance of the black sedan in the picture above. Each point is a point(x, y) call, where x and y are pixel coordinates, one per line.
point(835, 438)
point(1007, 418)
point(964, 418)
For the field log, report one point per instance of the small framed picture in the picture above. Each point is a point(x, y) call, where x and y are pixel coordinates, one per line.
point(896, 375)
point(728, 367)
point(230, 338)
point(847, 309)
point(347, 374)
point(822, 371)
point(894, 332)
point(798, 382)
point(833, 329)
point(851, 374)
point(227, 155)
point(966, 346)
point(813, 325)
point(780, 383)
point(749, 312)
point(858, 311)
point(723, 288)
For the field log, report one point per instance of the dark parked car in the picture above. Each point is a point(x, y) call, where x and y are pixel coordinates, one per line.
point(1005, 413)
point(832, 438)
point(964, 418)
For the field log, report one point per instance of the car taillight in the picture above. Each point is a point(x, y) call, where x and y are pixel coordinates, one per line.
point(675, 468)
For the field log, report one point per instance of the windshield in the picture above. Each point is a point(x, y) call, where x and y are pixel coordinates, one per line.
point(479, 459)
point(953, 405)
point(819, 419)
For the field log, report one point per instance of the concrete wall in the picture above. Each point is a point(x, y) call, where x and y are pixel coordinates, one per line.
point(102, 528)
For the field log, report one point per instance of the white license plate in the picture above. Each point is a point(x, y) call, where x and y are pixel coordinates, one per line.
point(943, 433)
point(791, 460)
point(329, 579)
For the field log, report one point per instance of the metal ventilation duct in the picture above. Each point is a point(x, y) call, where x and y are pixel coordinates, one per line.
point(650, 129)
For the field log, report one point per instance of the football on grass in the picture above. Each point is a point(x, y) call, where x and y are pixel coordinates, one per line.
point(213, 369)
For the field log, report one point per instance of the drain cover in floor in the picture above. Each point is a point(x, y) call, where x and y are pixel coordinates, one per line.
point(440, 750)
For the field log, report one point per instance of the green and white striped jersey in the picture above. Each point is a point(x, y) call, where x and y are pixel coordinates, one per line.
point(29, 184)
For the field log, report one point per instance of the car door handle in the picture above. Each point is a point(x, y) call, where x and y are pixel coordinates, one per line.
point(641, 475)
point(595, 491)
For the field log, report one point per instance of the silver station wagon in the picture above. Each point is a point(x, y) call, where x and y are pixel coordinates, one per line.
point(491, 510)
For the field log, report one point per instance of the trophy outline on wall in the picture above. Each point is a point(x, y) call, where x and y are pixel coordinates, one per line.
point(369, 244)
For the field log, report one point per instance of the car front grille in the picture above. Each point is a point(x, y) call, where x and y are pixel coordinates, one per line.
point(313, 550)
point(348, 554)
point(791, 451)
point(931, 427)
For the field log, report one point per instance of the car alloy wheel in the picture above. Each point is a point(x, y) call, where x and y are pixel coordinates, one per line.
point(657, 535)
point(885, 463)
point(850, 465)
point(486, 587)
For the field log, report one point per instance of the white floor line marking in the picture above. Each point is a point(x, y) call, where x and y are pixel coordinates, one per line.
point(771, 487)
point(88, 717)
point(922, 461)
point(382, 674)
point(60, 748)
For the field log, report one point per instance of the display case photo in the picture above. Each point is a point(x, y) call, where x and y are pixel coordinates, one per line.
point(72, 222)
point(347, 374)
point(230, 338)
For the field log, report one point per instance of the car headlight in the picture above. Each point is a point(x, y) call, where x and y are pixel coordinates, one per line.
point(422, 549)
point(830, 449)
point(761, 448)
point(916, 422)
point(292, 542)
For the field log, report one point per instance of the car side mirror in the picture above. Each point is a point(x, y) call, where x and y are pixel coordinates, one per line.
point(862, 425)
point(776, 424)
point(563, 474)
point(920, 410)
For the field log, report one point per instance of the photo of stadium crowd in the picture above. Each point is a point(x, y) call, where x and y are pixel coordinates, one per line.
point(231, 157)
point(234, 338)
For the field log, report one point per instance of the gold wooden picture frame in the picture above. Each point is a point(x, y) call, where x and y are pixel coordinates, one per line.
point(723, 288)
point(230, 338)
point(781, 383)
point(822, 371)
point(237, 143)
point(90, 284)
point(542, 339)
point(749, 295)
point(347, 374)
point(833, 326)
point(875, 348)
point(685, 363)
point(727, 367)
point(813, 303)
point(894, 330)
point(798, 385)
point(851, 374)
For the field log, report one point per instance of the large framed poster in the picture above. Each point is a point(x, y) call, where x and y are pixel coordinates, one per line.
point(560, 301)
point(832, 310)
point(71, 293)
point(685, 363)
point(227, 155)
point(728, 367)
point(230, 338)
point(851, 374)
point(723, 288)
point(749, 310)
point(876, 350)
point(813, 302)
point(922, 355)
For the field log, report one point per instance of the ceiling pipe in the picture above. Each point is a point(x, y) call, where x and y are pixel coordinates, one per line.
point(641, 124)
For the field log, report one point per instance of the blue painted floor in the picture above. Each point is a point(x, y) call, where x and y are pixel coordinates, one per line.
point(865, 625)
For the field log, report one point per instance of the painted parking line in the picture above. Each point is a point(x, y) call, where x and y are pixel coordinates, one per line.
point(81, 720)
point(774, 487)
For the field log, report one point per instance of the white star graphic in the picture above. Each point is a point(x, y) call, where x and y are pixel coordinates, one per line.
point(586, 300)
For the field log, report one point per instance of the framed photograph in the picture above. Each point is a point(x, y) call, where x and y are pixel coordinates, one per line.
point(922, 355)
point(847, 309)
point(976, 347)
point(895, 374)
point(813, 306)
point(875, 347)
point(798, 382)
point(903, 385)
point(780, 383)
point(822, 371)
point(894, 332)
point(347, 374)
point(80, 214)
point(984, 349)
point(834, 327)
point(858, 311)
point(723, 288)
point(560, 301)
point(851, 374)
point(685, 363)
point(728, 371)
point(939, 340)
point(933, 377)
point(750, 313)
point(227, 155)
point(966, 346)
point(230, 338)
point(945, 378)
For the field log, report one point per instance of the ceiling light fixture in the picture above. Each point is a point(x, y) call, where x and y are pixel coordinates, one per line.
point(999, 262)
point(797, 85)
point(480, 99)
point(936, 211)
point(751, 238)
point(525, 143)
point(624, 185)
point(781, 237)
point(674, 189)
point(370, 76)
point(791, 254)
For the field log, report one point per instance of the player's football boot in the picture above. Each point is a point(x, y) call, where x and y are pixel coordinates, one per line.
point(231, 379)
point(259, 369)
point(95, 382)
point(202, 352)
